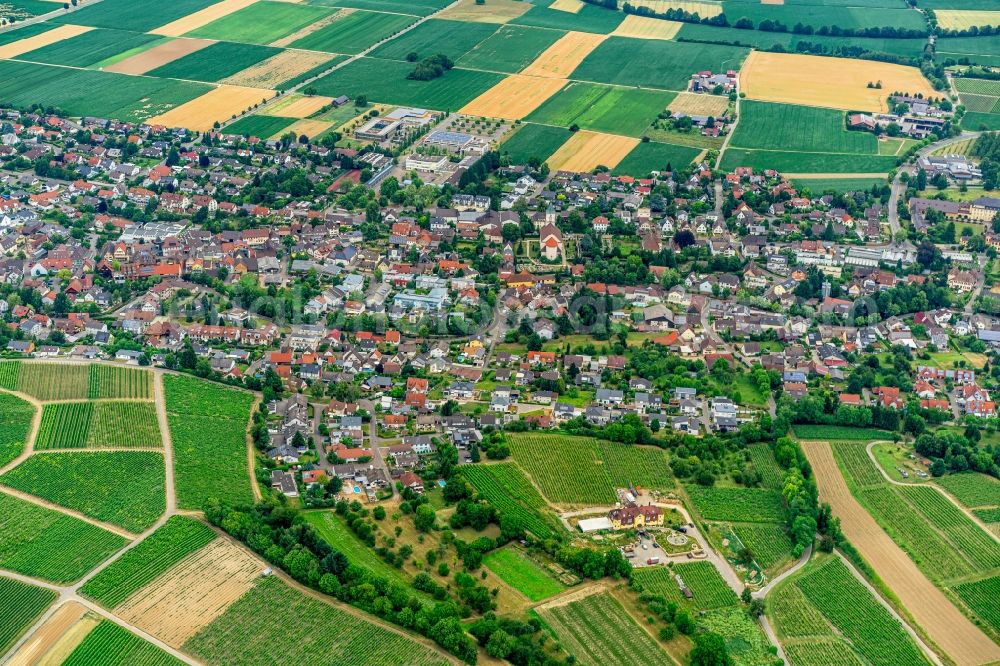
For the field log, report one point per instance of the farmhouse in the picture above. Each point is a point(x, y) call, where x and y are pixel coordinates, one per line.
point(633, 516)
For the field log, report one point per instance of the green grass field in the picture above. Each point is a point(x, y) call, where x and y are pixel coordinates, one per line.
point(385, 81)
point(46, 544)
point(602, 108)
point(333, 530)
point(419, 8)
point(216, 62)
point(208, 423)
point(707, 587)
point(78, 92)
point(314, 631)
point(88, 48)
point(135, 15)
point(820, 185)
point(23, 605)
point(972, 489)
point(654, 156)
point(653, 63)
point(168, 545)
point(451, 38)
point(261, 23)
point(516, 569)
point(15, 424)
point(583, 630)
point(588, 19)
point(822, 14)
point(534, 142)
point(770, 126)
point(355, 33)
point(259, 125)
point(793, 162)
point(825, 432)
point(125, 488)
point(510, 49)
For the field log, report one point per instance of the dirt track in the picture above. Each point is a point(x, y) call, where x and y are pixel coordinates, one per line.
point(947, 627)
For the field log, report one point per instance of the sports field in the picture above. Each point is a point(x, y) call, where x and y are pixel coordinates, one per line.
point(840, 83)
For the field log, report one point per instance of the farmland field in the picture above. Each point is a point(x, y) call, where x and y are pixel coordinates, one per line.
point(988, 515)
point(136, 15)
point(78, 425)
point(534, 142)
point(9, 373)
point(826, 432)
point(110, 645)
point(972, 489)
point(981, 596)
point(565, 468)
point(588, 19)
point(89, 48)
point(653, 156)
point(653, 63)
point(745, 505)
point(707, 587)
point(820, 185)
point(259, 125)
point(356, 32)
point(39, 542)
point(510, 49)
point(798, 128)
point(586, 151)
point(208, 424)
point(451, 38)
point(796, 163)
point(125, 488)
point(215, 62)
point(514, 567)
point(824, 14)
point(977, 86)
point(583, 629)
point(747, 644)
point(859, 467)
point(764, 462)
point(333, 530)
point(15, 425)
point(504, 486)
point(23, 604)
point(262, 22)
point(419, 8)
point(769, 543)
point(857, 615)
point(314, 631)
point(108, 381)
point(967, 537)
point(168, 545)
point(602, 108)
point(52, 381)
point(134, 98)
point(631, 465)
point(513, 98)
point(385, 81)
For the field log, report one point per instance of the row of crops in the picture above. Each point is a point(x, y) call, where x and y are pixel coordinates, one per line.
point(314, 631)
point(597, 630)
point(764, 462)
point(853, 456)
point(505, 487)
point(22, 605)
point(73, 425)
point(46, 544)
point(65, 381)
point(208, 425)
point(743, 505)
point(769, 542)
point(110, 645)
point(176, 539)
point(15, 424)
point(968, 538)
point(983, 598)
point(126, 488)
point(707, 587)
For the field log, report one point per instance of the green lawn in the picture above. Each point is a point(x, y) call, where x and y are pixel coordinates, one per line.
point(337, 534)
point(514, 567)
point(749, 392)
point(451, 38)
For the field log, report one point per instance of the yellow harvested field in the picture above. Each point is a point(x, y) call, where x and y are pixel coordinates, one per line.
point(58, 34)
point(58, 653)
point(963, 19)
point(200, 18)
point(277, 69)
point(514, 97)
point(695, 104)
point(569, 6)
point(702, 9)
point(298, 106)
point(49, 634)
point(217, 105)
point(312, 27)
point(840, 83)
point(586, 151)
point(559, 60)
point(643, 27)
point(192, 593)
point(158, 56)
point(493, 11)
point(311, 128)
